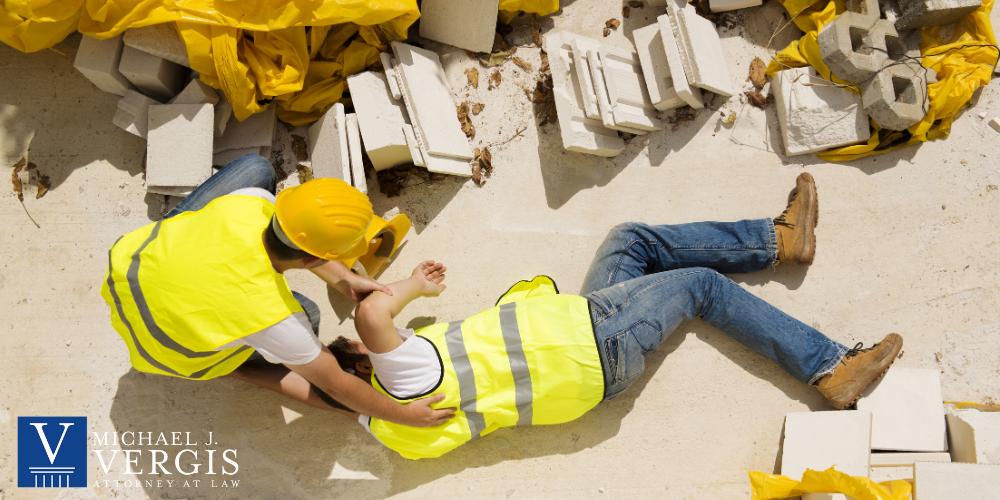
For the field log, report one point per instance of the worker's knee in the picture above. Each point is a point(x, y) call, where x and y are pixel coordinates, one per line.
point(624, 232)
point(257, 172)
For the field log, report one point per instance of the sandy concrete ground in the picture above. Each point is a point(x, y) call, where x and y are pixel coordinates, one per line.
point(908, 242)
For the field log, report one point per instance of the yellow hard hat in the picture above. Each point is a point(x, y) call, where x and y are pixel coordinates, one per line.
point(324, 217)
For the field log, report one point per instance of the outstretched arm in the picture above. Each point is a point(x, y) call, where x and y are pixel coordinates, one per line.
point(373, 318)
point(345, 281)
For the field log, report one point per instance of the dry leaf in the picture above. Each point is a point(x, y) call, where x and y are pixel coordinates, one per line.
point(477, 108)
point(463, 118)
point(755, 98)
point(44, 183)
point(495, 79)
point(16, 181)
point(482, 165)
point(496, 58)
point(305, 173)
point(612, 23)
point(472, 75)
point(758, 73)
point(626, 11)
point(521, 63)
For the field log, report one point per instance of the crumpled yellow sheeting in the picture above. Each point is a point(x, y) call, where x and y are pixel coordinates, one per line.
point(963, 57)
point(772, 486)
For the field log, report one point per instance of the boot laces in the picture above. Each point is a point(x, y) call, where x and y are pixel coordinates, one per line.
point(782, 220)
point(858, 348)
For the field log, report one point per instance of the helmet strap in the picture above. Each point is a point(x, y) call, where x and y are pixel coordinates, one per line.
point(276, 227)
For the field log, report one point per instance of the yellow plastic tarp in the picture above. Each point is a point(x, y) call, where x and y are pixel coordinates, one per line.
point(296, 54)
point(765, 486)
point(963, 56)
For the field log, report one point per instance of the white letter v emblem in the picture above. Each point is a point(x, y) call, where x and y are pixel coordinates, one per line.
point(45, 440)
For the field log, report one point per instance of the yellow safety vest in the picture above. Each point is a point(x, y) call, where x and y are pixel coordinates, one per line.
point(181, 288)
point(530, 360)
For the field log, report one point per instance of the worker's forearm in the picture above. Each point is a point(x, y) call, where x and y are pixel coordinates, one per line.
point(333, 272)
point(362, 398)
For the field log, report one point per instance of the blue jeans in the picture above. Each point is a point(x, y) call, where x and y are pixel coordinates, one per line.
point(646, 280)
point(248, 171)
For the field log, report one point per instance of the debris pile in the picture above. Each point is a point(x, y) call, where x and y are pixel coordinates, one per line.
point(901, 430)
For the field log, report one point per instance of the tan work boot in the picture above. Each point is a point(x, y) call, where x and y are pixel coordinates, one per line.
point(796, 226)
point(859, 369)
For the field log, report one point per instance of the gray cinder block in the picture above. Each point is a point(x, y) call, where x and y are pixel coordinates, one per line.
point(179, 146)
point(131, 115)
point(152, 75)
point(897, 97)
point(856, 46)
point(98, 61)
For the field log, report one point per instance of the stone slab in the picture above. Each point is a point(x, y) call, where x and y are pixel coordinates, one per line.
point(921, 13)
point(97, 60)
point(196, 93)
point(814, 114)
point(907, 411)
point(900, 459)
point(821, 439)
point(581, 47)
point(328, 148)
point(160, 40)
point(381, 119)
point(705, 63)
point(389, 68)
point(179, 146)
point(939, 481)
point(469, 24)
point(727, 5)
point(655, 71)
point(411, 143)
point(255, 131)
point(132, 113)
point(356, 154)
point(974, 436)
point(424, 87)
point(153, 76)
point(626, 90)
point(682, 85)
point(603, 97)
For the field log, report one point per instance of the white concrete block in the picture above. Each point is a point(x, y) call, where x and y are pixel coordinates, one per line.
point(705, 63)
point(255, 131)
point(821, 439)
point(900, 459)
point(389, 66)
point(579, 133)
point(356, 155)
point(655, 71)
point(328, 148)
point(682, 85)
point(411, 142)
point(907, 411)
point(814, 114)
point(160, 40)
point(581, 47)
point(630, 102)
point(381, 120)
point(896, 473)
point(98, 61)
point(974, 436)
point(469, 24)
point(603, 98)
point(196, 93)
point(179, 147)
point(223, 112)
point(152, 75)
point(727, 5)
point(132, 114)
point(939, 481)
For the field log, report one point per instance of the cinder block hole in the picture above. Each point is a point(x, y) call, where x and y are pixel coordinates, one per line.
point(895, 48)
point(903, 90)
point(858, 40)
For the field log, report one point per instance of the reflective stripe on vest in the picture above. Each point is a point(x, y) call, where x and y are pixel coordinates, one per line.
point(536, 359)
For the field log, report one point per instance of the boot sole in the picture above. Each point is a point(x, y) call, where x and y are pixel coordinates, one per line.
point(811, 220)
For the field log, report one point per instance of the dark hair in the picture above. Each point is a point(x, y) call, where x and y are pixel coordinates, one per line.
point(347, 356)
point(279, 249)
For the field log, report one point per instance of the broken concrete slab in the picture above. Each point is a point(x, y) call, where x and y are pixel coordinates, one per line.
point(901, 459)
point(381, 119)
point(132, 113)
point(389, 67)
point(179, 146)
point(727, 5)
point(152, 75)
point(160, 40)
point(356, 154)
point(196, 93)
point(581, 47)
point(622, 96)
point(470, 24)
point(921, 13)
point(896, 98)
point(328, 147)
point(907, 411)
point(855, 46)
point(690, 95)
point(603, 99)
point(655, 71)
point(411, 142)
point(815, 114)
point(822, 439)
point(98, 61)
point(705, 63)
point(426, 93)
point(578, 133)
point(974, 436)
point(940, 481)
point(255, 131)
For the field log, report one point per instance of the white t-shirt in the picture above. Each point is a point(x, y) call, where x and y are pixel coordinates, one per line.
point(411, 370)
point(290, 341)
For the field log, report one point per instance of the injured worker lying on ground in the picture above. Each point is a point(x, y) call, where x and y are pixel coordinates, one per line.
point(539, 357)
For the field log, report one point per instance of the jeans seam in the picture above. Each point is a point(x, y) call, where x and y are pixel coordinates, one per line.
point(772, 241)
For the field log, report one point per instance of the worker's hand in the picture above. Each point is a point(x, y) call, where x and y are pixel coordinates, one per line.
point(420, 413)
point(429, 275)
point(357, 287)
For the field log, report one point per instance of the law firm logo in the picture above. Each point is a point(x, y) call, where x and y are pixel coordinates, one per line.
point(52, 452)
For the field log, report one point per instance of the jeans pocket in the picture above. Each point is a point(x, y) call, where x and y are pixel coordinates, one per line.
point(625, 359)
point(613, 355)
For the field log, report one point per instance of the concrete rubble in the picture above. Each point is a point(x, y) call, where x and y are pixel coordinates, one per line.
point(98, 61)
point(816, 114)
point(132, 113)
point(328, 148)
point(700, 49)
point(152, 75)
point(160, 40)
point(920, 13)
